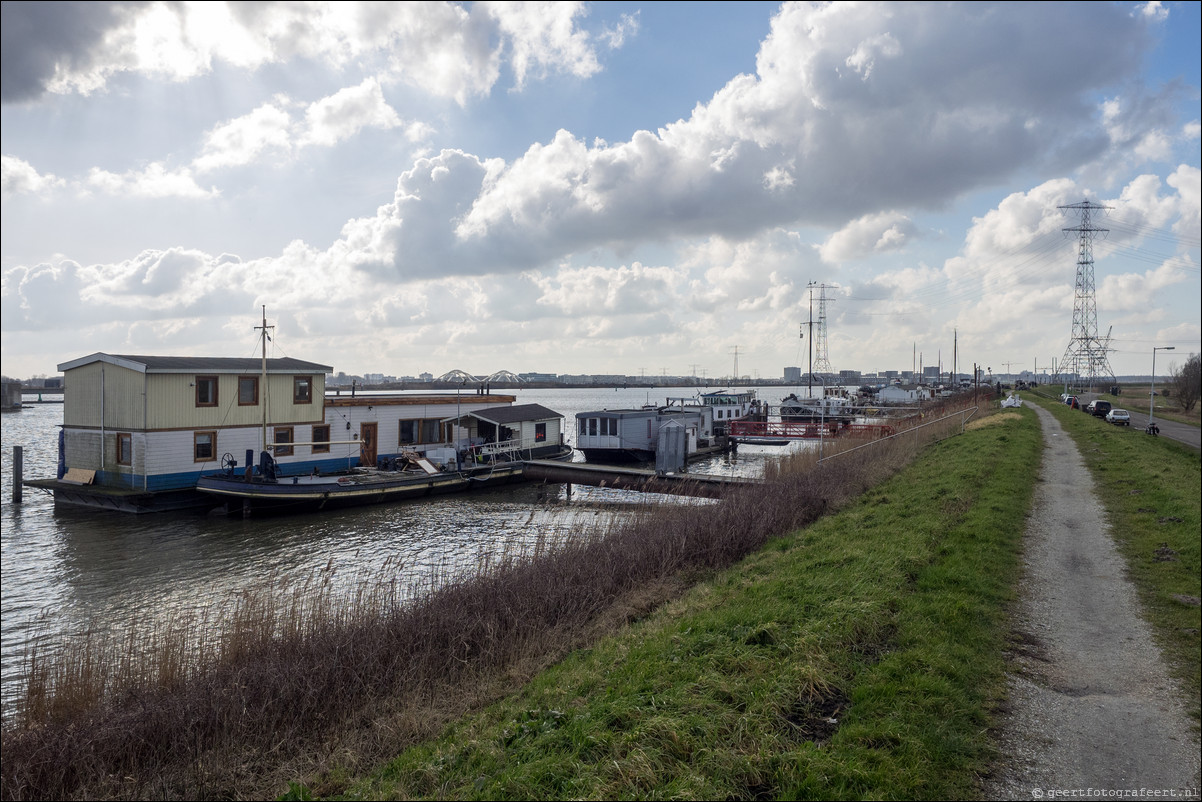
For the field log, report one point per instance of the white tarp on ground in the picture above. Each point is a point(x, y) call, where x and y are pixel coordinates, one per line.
point(1012, 402)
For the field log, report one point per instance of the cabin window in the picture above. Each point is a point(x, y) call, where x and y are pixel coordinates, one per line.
point(540, 432)
point(609, 426)
point(125, 449)
point(583, 426)
point(206, 391)
point(321, 434)
point(421, 430)
point(302, 389)
point(592, 427)
point(248, 391)
point(204, 446)
point(283, 434)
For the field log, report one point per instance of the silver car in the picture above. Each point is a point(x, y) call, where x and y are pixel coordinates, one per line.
point(1119, 417)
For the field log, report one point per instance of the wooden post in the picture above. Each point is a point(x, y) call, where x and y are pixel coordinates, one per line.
point(18, 470)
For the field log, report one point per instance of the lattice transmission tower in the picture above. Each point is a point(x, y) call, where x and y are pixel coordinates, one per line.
point(822, 362)
point(1086, 354)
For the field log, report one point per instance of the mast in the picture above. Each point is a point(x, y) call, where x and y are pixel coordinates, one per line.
point(263, 392)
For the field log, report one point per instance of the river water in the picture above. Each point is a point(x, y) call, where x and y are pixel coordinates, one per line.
point(69, 571)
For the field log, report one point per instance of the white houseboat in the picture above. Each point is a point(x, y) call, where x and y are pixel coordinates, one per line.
point(632, 435)
point(139, 431)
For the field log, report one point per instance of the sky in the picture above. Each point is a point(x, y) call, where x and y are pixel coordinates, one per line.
point(632, 188)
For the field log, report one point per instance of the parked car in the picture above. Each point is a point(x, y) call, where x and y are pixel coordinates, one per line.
point(1119, 417)
point(1072, 402)
point(1099, 409)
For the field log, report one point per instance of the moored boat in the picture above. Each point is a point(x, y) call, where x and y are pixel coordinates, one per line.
point(634, 435)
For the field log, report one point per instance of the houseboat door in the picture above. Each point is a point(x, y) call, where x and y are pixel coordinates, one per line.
point(367, 444)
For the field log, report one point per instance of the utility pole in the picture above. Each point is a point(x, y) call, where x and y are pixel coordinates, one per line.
point(735, 378)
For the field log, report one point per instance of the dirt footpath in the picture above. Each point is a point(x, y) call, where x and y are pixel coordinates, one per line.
point(1092, 711)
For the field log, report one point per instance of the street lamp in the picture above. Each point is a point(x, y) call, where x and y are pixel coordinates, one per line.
point(1152, 396)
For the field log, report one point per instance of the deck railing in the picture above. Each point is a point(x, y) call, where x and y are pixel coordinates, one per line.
point(511, 450)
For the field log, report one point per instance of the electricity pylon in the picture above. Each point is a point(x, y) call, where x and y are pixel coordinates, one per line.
point(1086, 354)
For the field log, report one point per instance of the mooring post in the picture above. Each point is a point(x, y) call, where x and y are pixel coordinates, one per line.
point(18, 469)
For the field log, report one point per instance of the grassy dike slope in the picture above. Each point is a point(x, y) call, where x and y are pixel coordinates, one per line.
point(1151, 488)
point(858, 658)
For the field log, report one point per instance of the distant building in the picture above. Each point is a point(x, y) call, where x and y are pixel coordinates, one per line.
point(792, 375)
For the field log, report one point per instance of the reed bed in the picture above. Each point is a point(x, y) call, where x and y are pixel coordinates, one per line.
point(315, 675)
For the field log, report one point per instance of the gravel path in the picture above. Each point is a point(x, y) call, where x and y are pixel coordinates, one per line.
point(1092, 710)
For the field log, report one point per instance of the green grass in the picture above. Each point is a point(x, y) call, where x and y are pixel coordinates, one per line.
point(1151, 488)
point(859, 658)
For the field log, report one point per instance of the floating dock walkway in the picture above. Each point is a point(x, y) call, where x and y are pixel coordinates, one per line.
point(627, 478)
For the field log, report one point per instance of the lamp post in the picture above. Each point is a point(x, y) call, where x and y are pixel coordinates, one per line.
point(1152, 395)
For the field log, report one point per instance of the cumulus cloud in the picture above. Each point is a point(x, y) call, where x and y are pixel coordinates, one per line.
point(272, 129)
point(868, 235)
point(854, 110)
point(153, 181)
point(245, 139)
point(19, 177)
point(443, 48)
point(345, 113)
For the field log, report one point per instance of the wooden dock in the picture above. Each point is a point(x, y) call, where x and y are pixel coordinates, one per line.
point(628, 478)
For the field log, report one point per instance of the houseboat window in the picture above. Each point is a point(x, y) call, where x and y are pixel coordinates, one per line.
point(321, 434)
point(125, 449)
point(420, 430)
point(206, 391)
point(609, 426)
point(592, 427)
point(302, 389)
point(283, 434)
point(540, 432)
point(204, 446)
point(248, 391)
point(584, 426)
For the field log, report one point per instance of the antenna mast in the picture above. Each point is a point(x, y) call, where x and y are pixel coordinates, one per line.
point(263, 392)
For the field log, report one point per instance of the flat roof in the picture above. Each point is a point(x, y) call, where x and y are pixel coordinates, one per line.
point(514, 414)
point(198, 364)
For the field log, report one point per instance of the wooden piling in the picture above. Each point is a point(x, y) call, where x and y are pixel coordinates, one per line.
point(18, 471)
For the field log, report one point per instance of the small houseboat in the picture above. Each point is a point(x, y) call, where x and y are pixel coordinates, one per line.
point(633, 435)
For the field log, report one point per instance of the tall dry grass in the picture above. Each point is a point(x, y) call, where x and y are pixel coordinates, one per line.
point(309, 674)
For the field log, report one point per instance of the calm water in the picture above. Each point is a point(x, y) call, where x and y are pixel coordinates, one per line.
point(75, 570)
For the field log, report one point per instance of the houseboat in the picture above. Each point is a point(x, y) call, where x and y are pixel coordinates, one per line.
point(139, 432)
point(633, 435)
point(835, 404)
